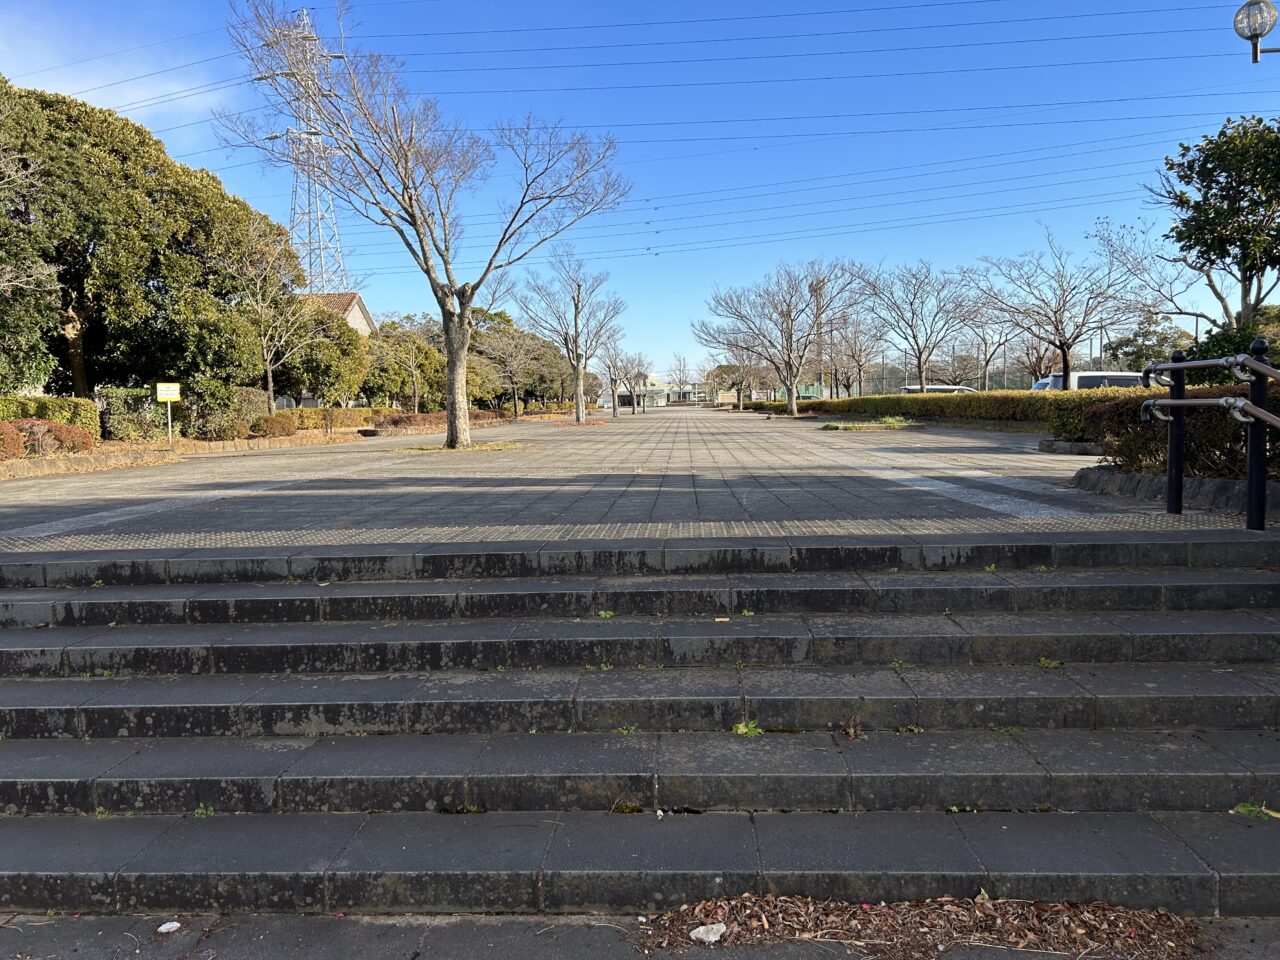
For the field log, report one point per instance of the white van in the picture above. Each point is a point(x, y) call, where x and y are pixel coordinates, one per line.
point(1091, 380)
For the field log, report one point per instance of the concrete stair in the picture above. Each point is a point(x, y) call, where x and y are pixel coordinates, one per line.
point(496, 728)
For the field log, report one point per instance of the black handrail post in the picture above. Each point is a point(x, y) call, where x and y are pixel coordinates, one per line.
point(1177, 438)
point(1256, 488)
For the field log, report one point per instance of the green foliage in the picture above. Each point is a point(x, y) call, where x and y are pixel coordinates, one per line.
point(1215, 440)
point(137, 244)
point(278, 425)
point(1230, 343)
point(332, 370)
point(1062, 410)
point(1225, 194)
point(313, 418)
point(77, 412)
point(749, 729)
point(1152, 341)
point(130, 413)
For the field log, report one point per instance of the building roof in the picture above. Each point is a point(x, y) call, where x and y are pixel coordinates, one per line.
point(350, 306)
point(339, 303)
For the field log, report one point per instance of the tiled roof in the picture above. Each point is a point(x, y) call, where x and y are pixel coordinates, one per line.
point(339, 303)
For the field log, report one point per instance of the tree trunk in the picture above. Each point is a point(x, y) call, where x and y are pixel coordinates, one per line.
point(73, 330)
point(457, 340)
point(741, 400)
point(792, 409)
point(1066, 365)
point(417, 392)
point(271, 390)
point(922, 372)
point(613, 395)
point(579, 401)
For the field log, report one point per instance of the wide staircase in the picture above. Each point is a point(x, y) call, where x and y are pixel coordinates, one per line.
point(624, 727)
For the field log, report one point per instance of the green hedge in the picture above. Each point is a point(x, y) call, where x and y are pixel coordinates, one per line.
point(130, 413)
point(1062, 410)
point(72, 410)
point(1215, 439)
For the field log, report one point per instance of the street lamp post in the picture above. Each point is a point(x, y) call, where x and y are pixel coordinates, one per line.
point(1255, 20)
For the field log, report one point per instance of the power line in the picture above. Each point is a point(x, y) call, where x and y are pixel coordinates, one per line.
point(807, 54)
point(830, 78)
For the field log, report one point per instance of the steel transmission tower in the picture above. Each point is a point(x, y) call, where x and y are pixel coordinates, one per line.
point(313, 222)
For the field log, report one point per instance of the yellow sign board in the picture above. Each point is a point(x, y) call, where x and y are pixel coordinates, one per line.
point(168, 392)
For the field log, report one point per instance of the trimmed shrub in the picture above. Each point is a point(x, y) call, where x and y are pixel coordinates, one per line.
point(243, 430)
point(438, 419)
point(71, 439)
point(40, 438)
point(72, 410)
point(250, 403)
point(1062, 410)
point(130, 413)
point(1215, 440)
point(11, 445)
point(312, 418)
point(280, 425)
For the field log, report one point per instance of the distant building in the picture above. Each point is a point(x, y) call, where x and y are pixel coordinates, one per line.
point(350, 307)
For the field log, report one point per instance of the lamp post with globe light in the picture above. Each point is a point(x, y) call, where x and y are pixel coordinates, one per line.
point(1255, 20)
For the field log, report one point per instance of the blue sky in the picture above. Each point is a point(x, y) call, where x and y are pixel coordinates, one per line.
point(753, 131)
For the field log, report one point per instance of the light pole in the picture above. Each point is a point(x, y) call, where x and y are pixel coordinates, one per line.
point(1255, 20)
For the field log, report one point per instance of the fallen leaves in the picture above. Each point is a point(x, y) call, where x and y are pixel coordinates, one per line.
point(923, 928)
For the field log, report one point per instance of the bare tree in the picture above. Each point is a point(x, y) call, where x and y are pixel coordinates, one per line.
point(389, 156)
point(1166, 281)
point(267, 277)
point(613, 359)
point(856, 339)
point(986, 334)
point(636, 368)
point(922, 307)
point(516, 355)
point(679, 374)
point(1049, 296)
point(571, 308)
point(779, 321)
point(1034, 358)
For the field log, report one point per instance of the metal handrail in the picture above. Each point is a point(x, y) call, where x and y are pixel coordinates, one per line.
point(1251, 368)
point(1238, 407)
point(1238, 365)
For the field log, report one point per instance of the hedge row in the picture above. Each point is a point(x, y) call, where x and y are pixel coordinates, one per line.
point(33, 437)
point(312, 418)
point(70, 410)
point(1216, 441)
point(1063, 410)
point(393, 418)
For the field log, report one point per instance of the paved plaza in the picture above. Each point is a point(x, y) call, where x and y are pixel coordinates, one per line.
point(671, 473)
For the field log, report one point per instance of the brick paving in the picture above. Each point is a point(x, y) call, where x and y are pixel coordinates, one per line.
point(667, 474)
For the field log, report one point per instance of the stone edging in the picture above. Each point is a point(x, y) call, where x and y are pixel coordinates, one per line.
point(1201, 492)
point(308, 439)
point(82, 463)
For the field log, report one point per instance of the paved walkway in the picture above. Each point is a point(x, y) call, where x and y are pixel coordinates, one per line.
point(666, 474)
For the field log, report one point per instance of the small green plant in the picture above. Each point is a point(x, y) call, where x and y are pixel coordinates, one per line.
point(989, 568)
point(98, 584)
point(1044, 663)
point(605, 614)
point(749, 729)
point(1010, 729)
point(831, 426)
point(1040, 568)
point(203, 811)
point(899, 664)
point(910, 728)
point(625, 805)
point(627, 730)
point(748, 613)
point(1254, 810)
point(962, 809)
point(101, 813)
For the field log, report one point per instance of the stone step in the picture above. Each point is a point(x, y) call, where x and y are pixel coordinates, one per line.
point(765, 640)
point(582, 862)
point(1171, 548)
point(706, 595)
point(1073, 770)
point(596, 700)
